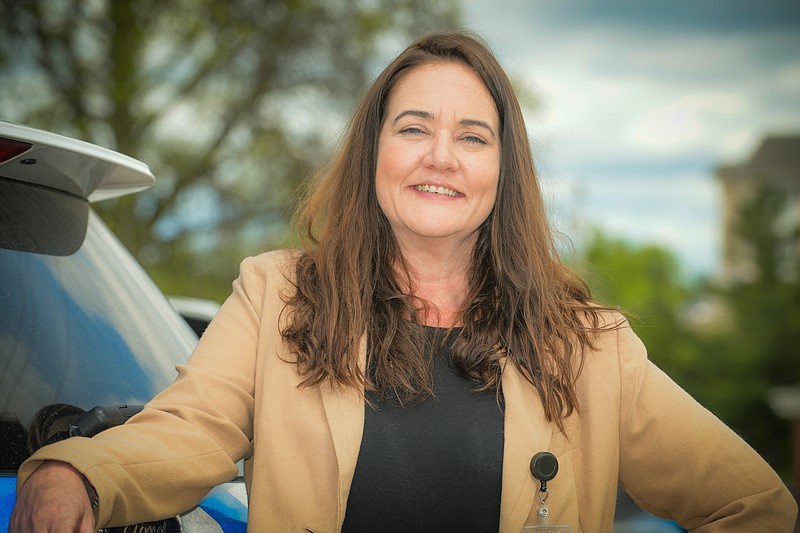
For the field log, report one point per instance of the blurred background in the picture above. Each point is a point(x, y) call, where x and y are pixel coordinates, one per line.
point(667, 137)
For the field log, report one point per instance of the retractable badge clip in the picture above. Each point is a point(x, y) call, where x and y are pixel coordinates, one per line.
point(544, 467)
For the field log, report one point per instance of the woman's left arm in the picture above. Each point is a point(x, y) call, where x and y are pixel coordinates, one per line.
point(679, 461)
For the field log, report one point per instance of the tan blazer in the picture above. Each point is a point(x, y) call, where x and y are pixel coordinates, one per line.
point(238, 397)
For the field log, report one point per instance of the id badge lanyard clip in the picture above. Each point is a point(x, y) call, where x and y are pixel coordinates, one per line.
point(544, 467)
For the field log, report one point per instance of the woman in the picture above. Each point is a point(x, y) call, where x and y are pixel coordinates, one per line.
point(400, 372)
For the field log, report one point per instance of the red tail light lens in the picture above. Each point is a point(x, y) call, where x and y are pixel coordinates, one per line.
point(10, 148)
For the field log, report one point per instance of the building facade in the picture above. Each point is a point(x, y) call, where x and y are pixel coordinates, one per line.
point(770, 181)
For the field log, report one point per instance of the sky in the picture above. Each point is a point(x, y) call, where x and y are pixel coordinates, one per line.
point(637, 103)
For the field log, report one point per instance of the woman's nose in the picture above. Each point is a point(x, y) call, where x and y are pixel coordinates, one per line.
point(442, 152)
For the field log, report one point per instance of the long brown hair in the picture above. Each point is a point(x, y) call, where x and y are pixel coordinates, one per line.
point(522, 302)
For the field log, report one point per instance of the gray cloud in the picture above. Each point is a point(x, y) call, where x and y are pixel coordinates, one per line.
point(640, 101)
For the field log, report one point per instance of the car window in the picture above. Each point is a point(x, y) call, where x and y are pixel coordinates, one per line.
point(84, 329)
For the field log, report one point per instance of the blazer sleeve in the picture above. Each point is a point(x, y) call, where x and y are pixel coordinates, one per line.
point(678, 461)
point(187, 439)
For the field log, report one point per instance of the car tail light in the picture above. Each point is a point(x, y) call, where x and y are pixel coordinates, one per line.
point(10, 148)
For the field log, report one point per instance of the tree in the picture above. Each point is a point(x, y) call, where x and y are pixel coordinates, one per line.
point(230, 103)
point(761, 346)
point(645, 281)
point(729, 368)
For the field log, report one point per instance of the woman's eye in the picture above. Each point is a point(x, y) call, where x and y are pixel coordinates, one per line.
point(411, 130)
point(472, 139)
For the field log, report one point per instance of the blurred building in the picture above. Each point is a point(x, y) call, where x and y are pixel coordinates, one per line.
point(773, 168)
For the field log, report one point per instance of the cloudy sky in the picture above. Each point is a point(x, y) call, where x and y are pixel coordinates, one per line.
point(639, 101)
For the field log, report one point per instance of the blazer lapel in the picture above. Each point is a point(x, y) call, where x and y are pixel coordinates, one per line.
point(344, 409)
point(527, 432)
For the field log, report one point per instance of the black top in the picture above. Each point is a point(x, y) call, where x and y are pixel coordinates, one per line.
point(432, 466)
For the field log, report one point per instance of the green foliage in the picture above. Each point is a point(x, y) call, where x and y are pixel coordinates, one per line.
point(230, 103)
point(646, 283)
point(762, 343)
point(753, 343)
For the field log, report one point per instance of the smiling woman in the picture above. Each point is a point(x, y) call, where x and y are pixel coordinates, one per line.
point(401, 370)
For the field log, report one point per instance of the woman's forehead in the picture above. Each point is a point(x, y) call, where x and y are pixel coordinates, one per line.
point(435, 89)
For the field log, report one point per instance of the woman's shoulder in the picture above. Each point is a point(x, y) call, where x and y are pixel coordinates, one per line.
point(268, 272)
point(610, 334)
point(281, 260)
point(597, 318)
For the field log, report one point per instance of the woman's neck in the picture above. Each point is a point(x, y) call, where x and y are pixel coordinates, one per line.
point(440, 277)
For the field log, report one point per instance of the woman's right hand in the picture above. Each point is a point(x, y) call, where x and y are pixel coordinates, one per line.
point(53, 500)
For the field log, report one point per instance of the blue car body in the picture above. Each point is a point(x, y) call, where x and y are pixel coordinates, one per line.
point(81, 323)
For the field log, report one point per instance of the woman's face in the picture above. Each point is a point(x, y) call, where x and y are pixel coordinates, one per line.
point(438, 156)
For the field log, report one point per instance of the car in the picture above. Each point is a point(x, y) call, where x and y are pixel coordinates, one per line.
point(85, 334)
point(197, 312)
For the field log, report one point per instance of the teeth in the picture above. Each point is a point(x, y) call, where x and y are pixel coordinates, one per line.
point(436, 190)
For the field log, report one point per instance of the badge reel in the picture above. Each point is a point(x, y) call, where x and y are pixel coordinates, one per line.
point(544, 467)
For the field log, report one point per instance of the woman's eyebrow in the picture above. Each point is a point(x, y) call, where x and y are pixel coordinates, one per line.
point(478, 123)
point(413, 113)
point(428, 116)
